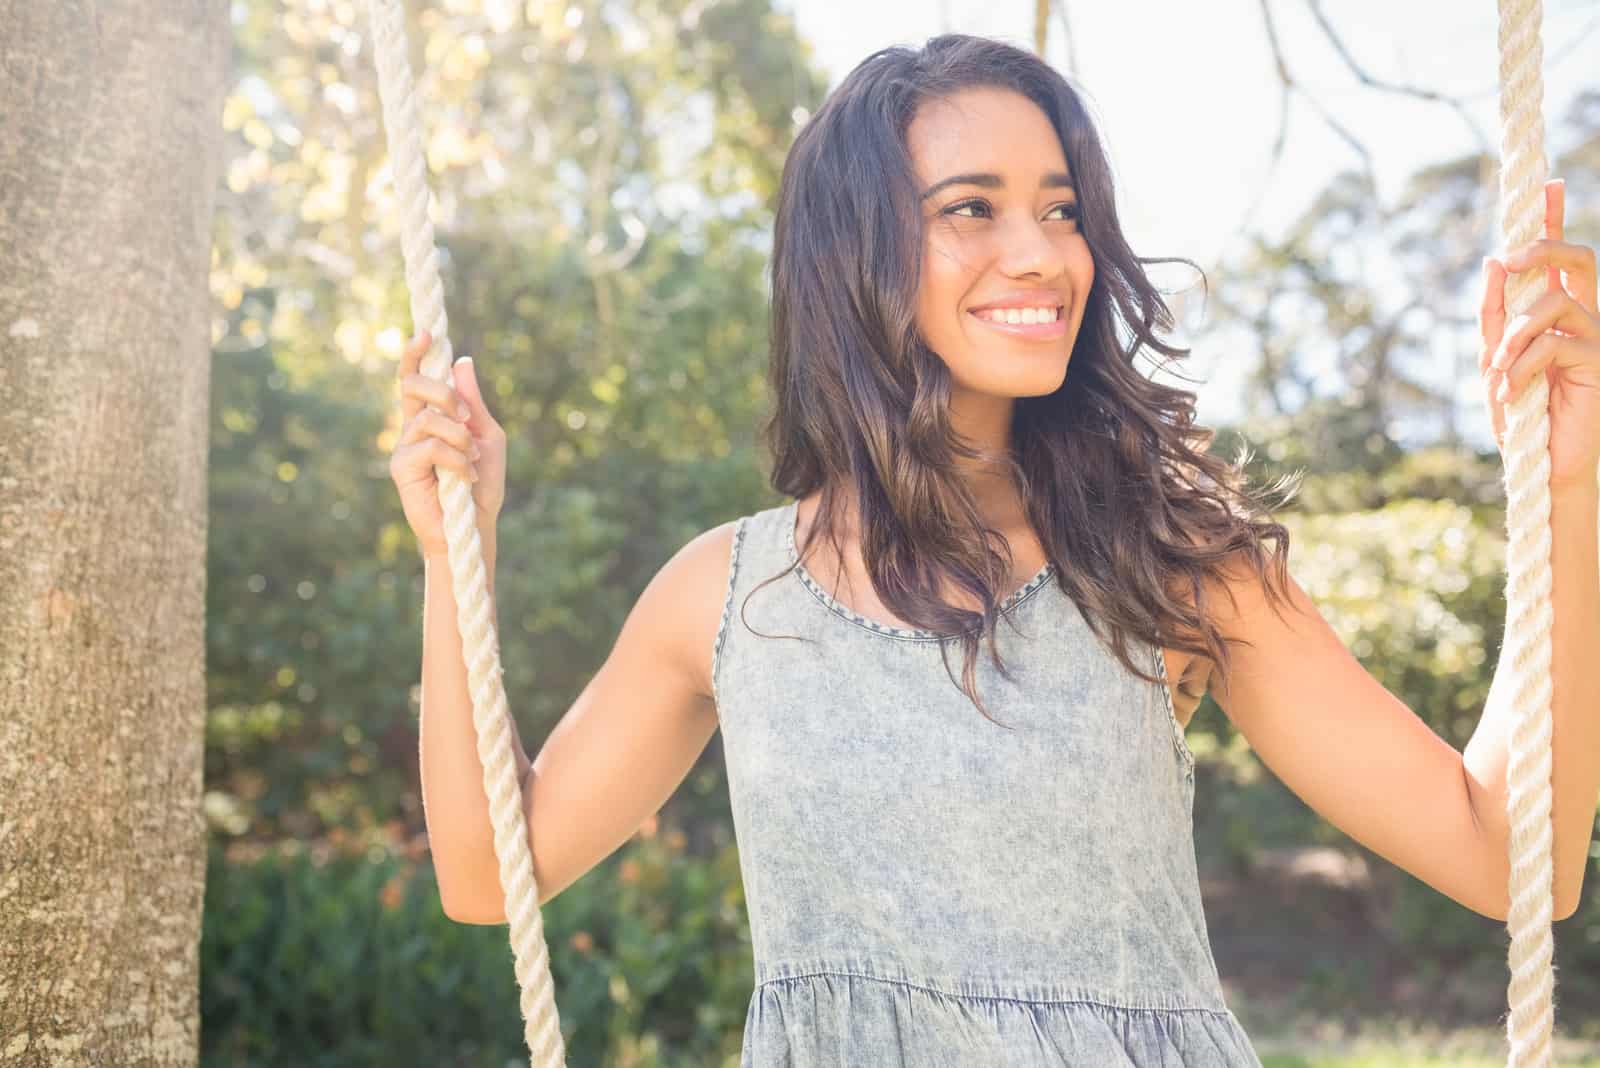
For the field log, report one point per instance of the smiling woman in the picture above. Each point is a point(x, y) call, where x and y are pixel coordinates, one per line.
point(967, 442)
point(954, 402)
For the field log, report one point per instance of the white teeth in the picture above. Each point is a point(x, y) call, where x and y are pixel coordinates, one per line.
point(1019, 315)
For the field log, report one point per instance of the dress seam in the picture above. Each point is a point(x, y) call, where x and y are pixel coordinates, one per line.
point(1178, 739)
point(905, 634)
point(1072, 1000)
point(727, 610)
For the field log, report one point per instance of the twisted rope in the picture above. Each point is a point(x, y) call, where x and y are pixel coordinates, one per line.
point(468, 576)
point(1529, 615)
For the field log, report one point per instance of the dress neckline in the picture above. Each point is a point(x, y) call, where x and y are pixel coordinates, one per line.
point(790, 516)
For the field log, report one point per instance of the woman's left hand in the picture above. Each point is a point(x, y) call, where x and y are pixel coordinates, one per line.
point(1558, 335)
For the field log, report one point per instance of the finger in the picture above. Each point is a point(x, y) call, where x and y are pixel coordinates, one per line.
point(410, 360)
point(465, 374)
point(421, 457)
point(456, 460)
point(1553, 311)
point(1497, 410)
point(411, 355)
point(429, 423)
point(1492, 310)
point(441, 396)
point(1548, 251)
point(1538, 356)
point(1554, 205)
point(1576, 262)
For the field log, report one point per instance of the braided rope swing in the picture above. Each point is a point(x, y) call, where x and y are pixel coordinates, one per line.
point(468, 577)
point(1529, 613)
point(1528, 575)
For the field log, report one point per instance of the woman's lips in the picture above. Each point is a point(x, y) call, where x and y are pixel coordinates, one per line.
point(1029, 331)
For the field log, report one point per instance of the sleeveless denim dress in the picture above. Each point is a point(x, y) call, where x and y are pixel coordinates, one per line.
point(927, 888)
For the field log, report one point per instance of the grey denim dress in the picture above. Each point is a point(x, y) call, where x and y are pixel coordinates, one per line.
point(927, 888)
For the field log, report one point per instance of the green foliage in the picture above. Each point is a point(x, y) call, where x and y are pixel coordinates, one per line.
point(630, 385)
point(1406, 562)
point(629, 377)
point(326, 956)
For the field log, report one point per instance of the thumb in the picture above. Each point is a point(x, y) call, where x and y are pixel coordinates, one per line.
point(466, 376)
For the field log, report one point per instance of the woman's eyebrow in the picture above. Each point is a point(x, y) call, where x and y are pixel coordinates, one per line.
point(1053, 180)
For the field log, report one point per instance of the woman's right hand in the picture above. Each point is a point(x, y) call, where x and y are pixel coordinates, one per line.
point(471, 444)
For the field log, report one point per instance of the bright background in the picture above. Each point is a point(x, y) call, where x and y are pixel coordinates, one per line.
point(1188, 104)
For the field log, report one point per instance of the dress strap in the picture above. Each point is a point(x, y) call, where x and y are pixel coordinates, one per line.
point(727, 604)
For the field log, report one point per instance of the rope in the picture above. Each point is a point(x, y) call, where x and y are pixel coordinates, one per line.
point(1529, 616)
point(480, 645)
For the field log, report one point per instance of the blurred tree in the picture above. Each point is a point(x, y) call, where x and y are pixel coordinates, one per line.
point(1358, 323)
point(110, 153)
point(604, 174)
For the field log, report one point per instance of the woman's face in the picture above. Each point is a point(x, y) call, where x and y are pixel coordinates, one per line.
point(1003, 231)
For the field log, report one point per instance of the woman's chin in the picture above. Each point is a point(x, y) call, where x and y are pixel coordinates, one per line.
point(1037, 376)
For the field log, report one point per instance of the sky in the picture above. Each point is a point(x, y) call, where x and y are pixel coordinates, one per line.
point(1159, 73)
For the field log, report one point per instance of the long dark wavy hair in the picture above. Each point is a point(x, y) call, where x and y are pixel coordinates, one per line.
point(1124, 499)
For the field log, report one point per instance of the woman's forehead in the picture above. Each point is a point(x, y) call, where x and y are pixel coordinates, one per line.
point(994, 131)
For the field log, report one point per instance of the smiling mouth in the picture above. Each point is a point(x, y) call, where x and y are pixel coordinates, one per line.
point(1020, 316)
point(1047, 330)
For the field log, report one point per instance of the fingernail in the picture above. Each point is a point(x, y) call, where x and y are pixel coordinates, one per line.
point(474, 452)
point(463, 412)
point(473, 472)
point(1505, 391)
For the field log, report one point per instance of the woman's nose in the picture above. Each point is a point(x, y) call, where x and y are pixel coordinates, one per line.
point(1027, 248)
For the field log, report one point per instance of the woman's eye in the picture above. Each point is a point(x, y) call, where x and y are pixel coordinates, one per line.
point(1070, 209)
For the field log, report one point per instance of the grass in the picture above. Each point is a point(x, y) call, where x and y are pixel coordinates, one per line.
point(1428, 1049)
point(1399, 1059)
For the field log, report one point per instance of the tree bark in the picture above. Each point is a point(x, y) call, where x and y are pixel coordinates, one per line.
point(110, 152)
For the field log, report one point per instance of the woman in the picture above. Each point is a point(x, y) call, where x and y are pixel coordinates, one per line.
point(968, 444)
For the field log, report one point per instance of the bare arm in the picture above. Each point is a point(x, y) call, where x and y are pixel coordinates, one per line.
point(624, 746)
point(1345, 745)
point(453, 802)
point(1574, 710)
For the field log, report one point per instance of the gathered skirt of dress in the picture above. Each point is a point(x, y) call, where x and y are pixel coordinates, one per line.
point(842, 1019)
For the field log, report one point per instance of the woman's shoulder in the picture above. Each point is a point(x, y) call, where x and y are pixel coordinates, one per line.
point(695, 583)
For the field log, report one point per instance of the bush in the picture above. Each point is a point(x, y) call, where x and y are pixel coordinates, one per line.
point(313, 956)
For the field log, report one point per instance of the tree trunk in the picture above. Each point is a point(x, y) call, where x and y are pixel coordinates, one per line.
point(110, 148)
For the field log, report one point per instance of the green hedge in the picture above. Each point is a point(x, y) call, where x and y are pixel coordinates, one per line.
point(312, 956)
point(317, 956)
